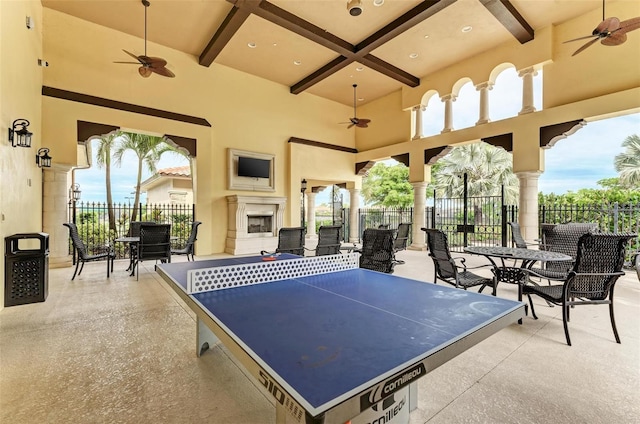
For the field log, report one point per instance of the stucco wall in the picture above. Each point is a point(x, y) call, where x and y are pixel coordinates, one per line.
point(20, 82)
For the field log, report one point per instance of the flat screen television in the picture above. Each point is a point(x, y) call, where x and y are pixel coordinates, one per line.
point(254, 168)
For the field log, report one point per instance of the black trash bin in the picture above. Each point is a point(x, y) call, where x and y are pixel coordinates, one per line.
point(26, 268)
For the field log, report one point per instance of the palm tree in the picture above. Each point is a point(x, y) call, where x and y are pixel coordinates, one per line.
point(148, 149)
point(103, 157)
point(488, 169)
point(628, 163)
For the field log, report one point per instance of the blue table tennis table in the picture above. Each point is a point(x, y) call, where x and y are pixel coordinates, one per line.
point(329, 346)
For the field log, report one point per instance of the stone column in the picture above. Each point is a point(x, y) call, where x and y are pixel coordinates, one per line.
point(311, 215)
point(527, 90)
point(418, 117)
point(484, 88)
point(354, 224)
point(419, 204)
point(448, 112)
point(55, 211)
point(528, 207)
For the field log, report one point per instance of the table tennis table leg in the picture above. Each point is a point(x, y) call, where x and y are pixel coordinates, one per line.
point(204, 337)
point(413, 396)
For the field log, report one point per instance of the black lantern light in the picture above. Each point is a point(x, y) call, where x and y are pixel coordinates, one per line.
point(74, 192)
point(43, 160)
point(20, 137)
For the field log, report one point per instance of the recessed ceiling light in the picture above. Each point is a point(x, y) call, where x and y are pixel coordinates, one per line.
point(275, 44)
point(297, 62)
point(467, 28)
point(359, 69)
point(361, 99)
point(413, 55)
point(252, 45)
point(426, 36)
point(378, 2)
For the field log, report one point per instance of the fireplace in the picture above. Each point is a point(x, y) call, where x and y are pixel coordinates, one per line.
point(253, 223)
point(259, 224)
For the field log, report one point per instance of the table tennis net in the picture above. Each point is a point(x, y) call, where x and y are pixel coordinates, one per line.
point(227, 277)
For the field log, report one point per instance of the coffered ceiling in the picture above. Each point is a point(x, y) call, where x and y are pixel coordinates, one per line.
point(316, 46)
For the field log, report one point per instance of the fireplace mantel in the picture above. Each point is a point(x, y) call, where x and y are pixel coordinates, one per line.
point(239, 240)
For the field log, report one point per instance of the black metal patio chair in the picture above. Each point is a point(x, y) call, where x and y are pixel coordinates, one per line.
point(155, 244)
point(83, 255)
point(188, 248)
point(290, 240)
point(401, 240)
point(377, 253)
point(562, 238)
point(448, 270)
point(591, 280)
point(516, 236)
point(328, 240)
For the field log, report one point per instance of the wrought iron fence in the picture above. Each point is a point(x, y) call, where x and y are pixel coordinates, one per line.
point(92, 219)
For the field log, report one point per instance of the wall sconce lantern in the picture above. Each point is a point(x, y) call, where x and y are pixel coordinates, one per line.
point(43, 160)
point(20, 137)
point(74, 192)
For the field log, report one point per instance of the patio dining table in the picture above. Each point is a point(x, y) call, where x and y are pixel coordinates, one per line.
point(515, 274)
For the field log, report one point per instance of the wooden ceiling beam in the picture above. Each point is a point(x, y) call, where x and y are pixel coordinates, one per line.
point(232, 22)
point(510, 18)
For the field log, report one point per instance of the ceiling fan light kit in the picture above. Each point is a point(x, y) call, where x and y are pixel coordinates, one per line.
point(148, 64)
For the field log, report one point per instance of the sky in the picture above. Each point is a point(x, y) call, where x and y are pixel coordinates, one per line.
point(575, 162)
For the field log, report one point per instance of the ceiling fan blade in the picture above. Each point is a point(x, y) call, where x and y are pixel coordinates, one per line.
point(614, 39)
point(579, 38)
point(134, 56)
point(154, 61)
point(630, 24)
point(350, 125)
point(585, 46)
point(608, 25)
point(162, 71)
point(129, 63)
point(144, 72)
point(363, 123)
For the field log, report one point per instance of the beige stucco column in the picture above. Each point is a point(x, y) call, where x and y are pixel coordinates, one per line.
point(354, 224)
point(527, 75)
point(419, 204)
point(448, 112)
point(418, 118)
point(55, 211)
point(528, 207)
point(484, 88)
point(311, 215)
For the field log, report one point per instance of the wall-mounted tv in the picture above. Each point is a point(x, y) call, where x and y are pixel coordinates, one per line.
point(254, 168)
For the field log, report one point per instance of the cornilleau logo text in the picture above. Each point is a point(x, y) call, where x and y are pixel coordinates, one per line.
point(390, 386)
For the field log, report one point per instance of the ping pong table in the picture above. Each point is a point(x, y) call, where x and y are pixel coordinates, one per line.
point(326, 339)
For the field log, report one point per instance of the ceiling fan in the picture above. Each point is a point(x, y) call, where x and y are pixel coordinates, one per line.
point(358, 122)
point(610, 32)
point(149, 64)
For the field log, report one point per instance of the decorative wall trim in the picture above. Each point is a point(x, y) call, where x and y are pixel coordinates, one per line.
point(114, 104)
point(322, 145)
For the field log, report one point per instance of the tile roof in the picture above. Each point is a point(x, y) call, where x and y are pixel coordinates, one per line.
point(177, 171)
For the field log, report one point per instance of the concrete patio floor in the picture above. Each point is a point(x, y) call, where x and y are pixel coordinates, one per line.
point(119, 350)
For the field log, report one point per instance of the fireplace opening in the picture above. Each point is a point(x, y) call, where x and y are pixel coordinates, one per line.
point(259, 224)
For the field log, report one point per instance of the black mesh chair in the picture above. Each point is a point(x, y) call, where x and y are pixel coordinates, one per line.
point(591, 280)
point(377, 252)
point(188, 248)
point(516, 236)
point(562, 238)
point(134, 231)
point(328, 240)
point(155, 244)
point(446, 268)
point(290, 240)
point(82, 254)
point(401, 239)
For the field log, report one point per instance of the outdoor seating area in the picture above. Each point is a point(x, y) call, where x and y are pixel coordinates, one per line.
point(129, 335)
